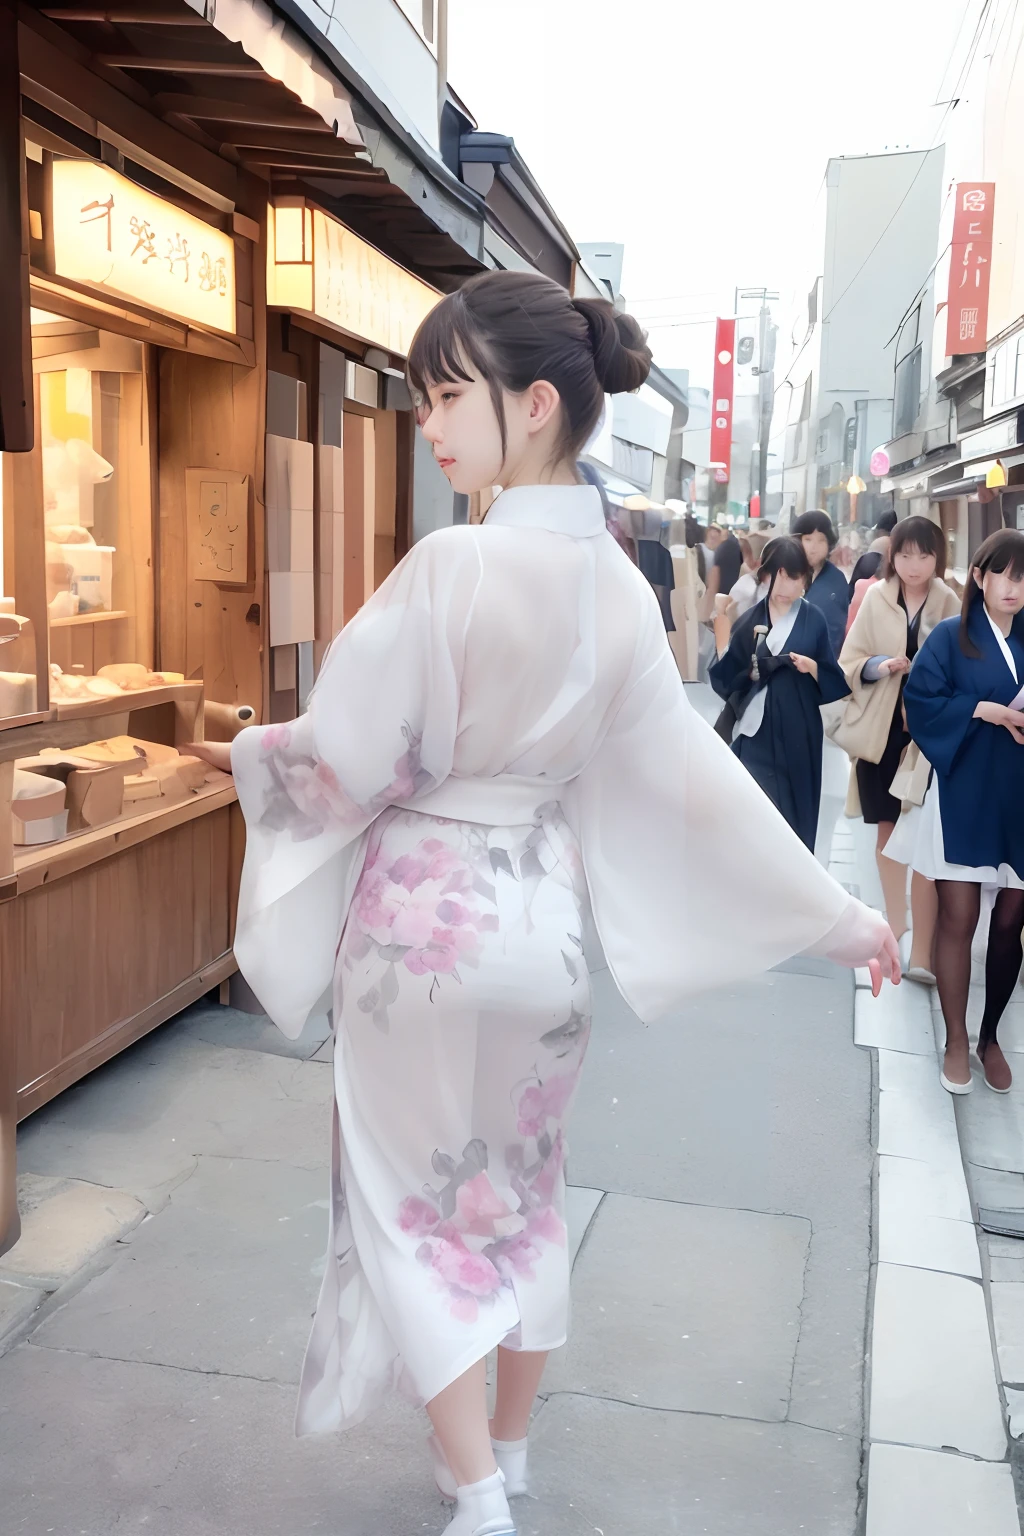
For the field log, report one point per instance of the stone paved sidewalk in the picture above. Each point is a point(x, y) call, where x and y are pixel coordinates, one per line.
point(937, 1420)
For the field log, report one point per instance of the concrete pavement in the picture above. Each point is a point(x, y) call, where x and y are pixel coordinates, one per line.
point(776, 1268)
point(721, 1167)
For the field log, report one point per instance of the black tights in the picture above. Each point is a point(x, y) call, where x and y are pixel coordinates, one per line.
point(959, 909)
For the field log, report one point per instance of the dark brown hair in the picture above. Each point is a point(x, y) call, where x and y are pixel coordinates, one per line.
point(815, 522)
point(1002, 551)
point(918, 533)
point(516, 328)
point(783, 554)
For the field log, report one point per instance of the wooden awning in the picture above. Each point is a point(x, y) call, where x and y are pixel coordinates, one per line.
point(240, 84)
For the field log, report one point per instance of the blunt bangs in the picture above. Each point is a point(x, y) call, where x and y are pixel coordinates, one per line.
point(1008, 558)
point(448, 343)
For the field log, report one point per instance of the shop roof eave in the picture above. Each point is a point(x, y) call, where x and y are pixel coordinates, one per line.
point(426, 158)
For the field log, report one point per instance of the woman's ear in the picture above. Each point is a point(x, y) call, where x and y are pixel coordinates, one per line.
point(979, 580)
point(544, 403)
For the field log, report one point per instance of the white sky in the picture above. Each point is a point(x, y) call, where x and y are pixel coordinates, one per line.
point(697, 133)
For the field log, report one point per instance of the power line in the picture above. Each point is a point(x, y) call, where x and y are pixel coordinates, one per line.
point(924, 158)
point(952, 51)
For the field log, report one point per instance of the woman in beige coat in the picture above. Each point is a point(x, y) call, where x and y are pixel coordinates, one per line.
point(895, 617)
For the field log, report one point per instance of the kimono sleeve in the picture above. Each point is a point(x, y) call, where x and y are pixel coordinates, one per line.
point(832, 684)
point(940, 717)
point(731, 671)
point(380, 728)
point(695, 878)
point(859, 647)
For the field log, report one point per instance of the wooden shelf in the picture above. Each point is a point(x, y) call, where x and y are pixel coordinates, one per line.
point(72, 724)
point(44, 862)
point(89, 618)
point(130, 699)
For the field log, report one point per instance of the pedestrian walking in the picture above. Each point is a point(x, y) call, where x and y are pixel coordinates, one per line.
point(869, 564)
point(500, 731)
point(747, 589)
point(897, 616)
point(963, 699)
point(775, 676)
point(728, 563)
point(743, 593)
point(828, 590)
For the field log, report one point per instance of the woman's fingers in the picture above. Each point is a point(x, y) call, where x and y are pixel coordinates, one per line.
point(875, 972)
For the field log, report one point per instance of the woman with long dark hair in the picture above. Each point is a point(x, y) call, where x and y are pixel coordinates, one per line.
point(897, 616)
point(963, 700)
point(777, 672)
point(498, 737)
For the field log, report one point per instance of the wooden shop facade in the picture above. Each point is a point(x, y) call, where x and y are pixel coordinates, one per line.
point(207, 466)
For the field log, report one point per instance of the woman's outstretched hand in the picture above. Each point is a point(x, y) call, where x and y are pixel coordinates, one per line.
point(216, 753)
point(886, 964)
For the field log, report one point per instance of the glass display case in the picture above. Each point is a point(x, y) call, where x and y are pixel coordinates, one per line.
point(77, 630)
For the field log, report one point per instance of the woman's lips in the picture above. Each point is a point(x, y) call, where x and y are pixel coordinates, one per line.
point(446, 463)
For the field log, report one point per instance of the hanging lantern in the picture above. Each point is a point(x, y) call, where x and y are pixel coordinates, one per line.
point(996, 475)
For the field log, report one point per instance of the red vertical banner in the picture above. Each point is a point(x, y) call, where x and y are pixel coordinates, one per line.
point(721, 400)
point(970, 268)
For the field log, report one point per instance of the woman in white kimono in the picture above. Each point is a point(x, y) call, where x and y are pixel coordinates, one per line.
point(499, 738)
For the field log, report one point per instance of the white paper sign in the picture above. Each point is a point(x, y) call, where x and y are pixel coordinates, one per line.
point(111, 234)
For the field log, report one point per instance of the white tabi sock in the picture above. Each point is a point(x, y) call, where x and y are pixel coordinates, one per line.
point(482, 1510)
point(510, 1456)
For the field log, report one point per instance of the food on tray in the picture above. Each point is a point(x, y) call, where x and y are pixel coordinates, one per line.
point(111, 682)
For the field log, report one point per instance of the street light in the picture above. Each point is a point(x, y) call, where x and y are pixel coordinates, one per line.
point(854, 486)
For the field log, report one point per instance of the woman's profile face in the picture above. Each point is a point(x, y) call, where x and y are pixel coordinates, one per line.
point(1003, 593)
point(913, 566)
point(459, 423)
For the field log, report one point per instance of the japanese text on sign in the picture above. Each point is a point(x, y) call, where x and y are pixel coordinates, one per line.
point(722, 385)
point(969, 268)
point(111, 234)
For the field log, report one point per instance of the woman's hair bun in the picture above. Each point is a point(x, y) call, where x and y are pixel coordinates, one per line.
point(622, 358)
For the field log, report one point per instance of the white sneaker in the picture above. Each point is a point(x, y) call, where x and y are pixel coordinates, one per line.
point(510, 1456)
point(482, 1510)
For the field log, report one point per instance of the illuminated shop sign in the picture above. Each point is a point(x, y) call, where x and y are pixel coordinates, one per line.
point(317, 265)
point(113, 235)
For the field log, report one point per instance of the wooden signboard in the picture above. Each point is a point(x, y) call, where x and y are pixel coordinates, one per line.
point(217, 509)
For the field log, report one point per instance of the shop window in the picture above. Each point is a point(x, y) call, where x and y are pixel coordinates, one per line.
point(907, 397)
point(95, 473)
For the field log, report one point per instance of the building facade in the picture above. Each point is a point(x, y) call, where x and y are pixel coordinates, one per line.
point(835, 400)
point(956, 447)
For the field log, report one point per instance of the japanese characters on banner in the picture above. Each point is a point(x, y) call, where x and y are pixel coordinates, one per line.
point(362, 291)
point(111, 234)
point(970, 268)
point(721, 400)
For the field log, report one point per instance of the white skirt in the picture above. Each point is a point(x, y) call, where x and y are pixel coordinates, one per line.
point(917, 841)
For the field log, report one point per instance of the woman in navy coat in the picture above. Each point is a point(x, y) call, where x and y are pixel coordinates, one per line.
point(963, 698)
point(828, 588)
point(777, 699)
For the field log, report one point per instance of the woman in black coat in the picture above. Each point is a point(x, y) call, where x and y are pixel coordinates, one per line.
point(777, 672)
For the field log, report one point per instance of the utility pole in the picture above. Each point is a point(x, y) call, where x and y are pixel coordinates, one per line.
point(765, 370)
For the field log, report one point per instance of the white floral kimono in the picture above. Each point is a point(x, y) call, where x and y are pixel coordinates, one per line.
point(497, 743)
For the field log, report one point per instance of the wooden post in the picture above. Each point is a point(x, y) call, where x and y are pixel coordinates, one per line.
point(16, 413)
point(10, 1223)
point(360, 510)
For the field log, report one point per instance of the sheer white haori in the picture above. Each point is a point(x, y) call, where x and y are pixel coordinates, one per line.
point(531, 647)
point(512, 676)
